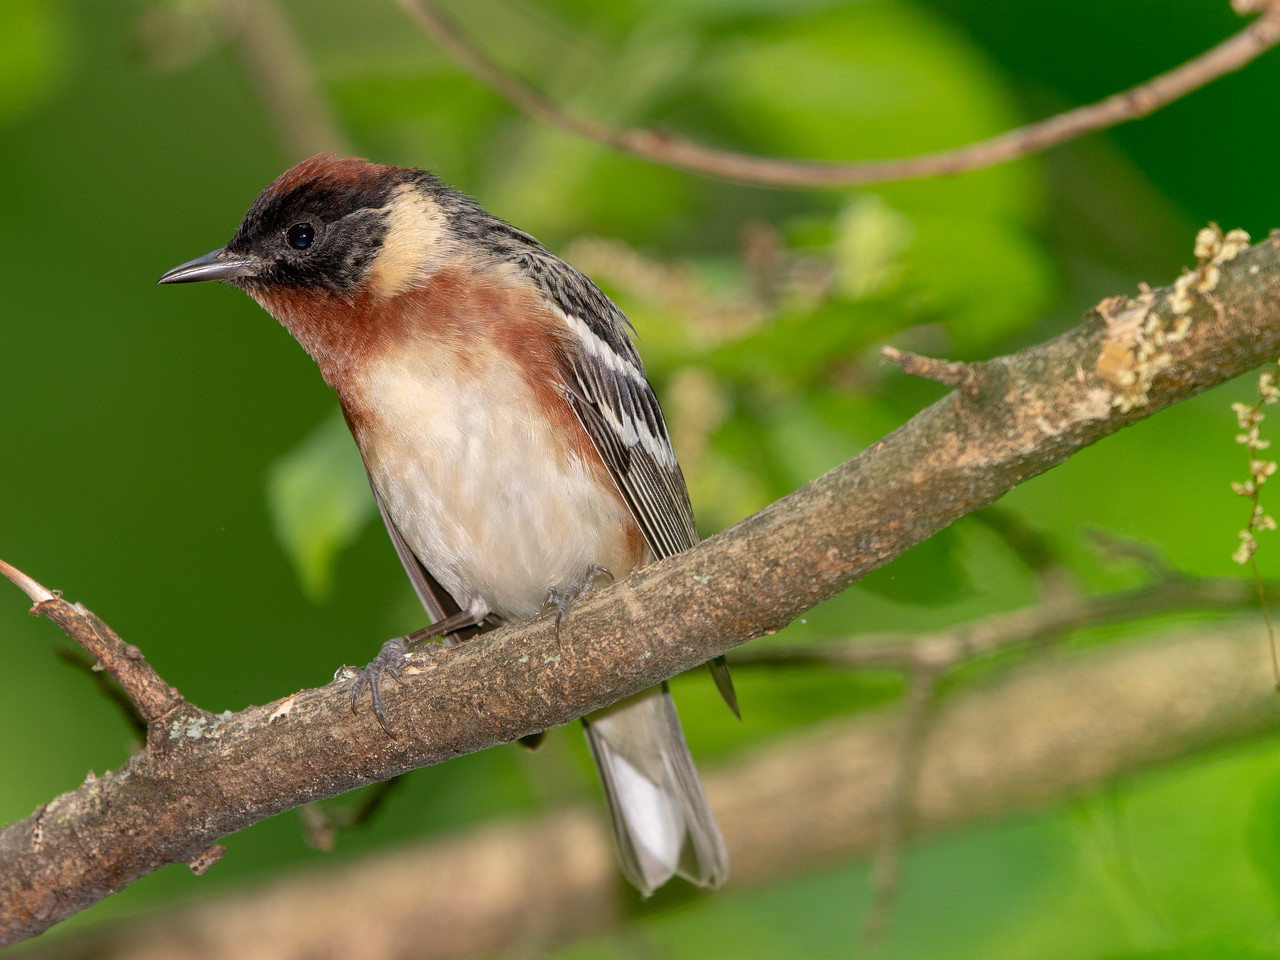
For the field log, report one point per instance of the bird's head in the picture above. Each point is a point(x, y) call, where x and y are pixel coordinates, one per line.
point(333, 227)
point(329, 248)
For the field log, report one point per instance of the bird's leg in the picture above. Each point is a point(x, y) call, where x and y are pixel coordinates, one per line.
point(562, 598)
point(459, 621)
point(391, 657)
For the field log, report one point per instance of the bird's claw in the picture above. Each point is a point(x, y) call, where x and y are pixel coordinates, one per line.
point(563, 598)
point(388, 661)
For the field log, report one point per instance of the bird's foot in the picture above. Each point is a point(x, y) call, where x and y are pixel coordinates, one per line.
point(390, 661)
point(563, 598)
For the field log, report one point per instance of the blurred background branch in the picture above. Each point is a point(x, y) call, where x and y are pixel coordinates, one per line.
point(283, 74)
point(1033, 625)
point(675, 151)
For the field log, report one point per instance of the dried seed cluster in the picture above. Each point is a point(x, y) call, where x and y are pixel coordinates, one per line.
point(1250, 420)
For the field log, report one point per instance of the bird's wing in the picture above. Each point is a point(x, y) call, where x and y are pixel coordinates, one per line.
point(608, 390)
point(606, 385)
point(434, 597)
point(637, 452)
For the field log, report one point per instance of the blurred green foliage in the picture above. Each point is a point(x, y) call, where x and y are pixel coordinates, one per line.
point(172, 459)
point(30, 61)
point(318, 494)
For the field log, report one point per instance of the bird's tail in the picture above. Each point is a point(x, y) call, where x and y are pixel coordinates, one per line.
point(661, 819)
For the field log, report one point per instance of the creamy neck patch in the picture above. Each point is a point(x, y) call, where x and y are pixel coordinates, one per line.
point(415, 245)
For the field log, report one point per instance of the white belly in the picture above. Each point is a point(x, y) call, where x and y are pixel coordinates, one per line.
point(480, 489)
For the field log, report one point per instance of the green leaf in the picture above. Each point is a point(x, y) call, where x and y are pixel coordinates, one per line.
point(31, 58)
point(319, 499)
point(882, 79)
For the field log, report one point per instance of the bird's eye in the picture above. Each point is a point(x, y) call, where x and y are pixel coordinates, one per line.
point(300, 236)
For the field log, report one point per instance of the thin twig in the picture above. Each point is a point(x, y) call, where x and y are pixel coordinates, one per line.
point(950, 373)
point(37, 592)
point(122, 661)
point(1266, 617)
point(886, 857)
point(321, 823)
point(1037, 624)
point(278, 64)
point(1054, 578)
point(1031, 545)
point(1112, 547)
point(674, 151)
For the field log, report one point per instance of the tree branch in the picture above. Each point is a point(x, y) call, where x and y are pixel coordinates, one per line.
point(674, 151)
point(1034, 736)
point(275, 59)
point(203, 776)
point(895, 819)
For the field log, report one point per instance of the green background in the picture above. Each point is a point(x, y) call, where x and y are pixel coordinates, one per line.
point(160, 447)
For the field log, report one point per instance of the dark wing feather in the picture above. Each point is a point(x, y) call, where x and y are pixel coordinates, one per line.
point(434, 597)
point(609, 392)
point(607, 387)
point(603, 375)
point(611, 395)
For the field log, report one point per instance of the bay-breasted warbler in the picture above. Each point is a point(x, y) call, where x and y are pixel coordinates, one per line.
point(512, 439)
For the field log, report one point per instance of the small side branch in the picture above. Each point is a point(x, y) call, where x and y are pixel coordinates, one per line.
point(36, 591)
point(886, 857)
point(123, 661)
point(321, 825)
point(948, 372)
point(77, 658)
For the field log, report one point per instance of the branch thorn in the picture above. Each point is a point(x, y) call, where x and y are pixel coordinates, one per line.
point(949, 372)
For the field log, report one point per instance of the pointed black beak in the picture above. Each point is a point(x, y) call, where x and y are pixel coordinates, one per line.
point(218, 265)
